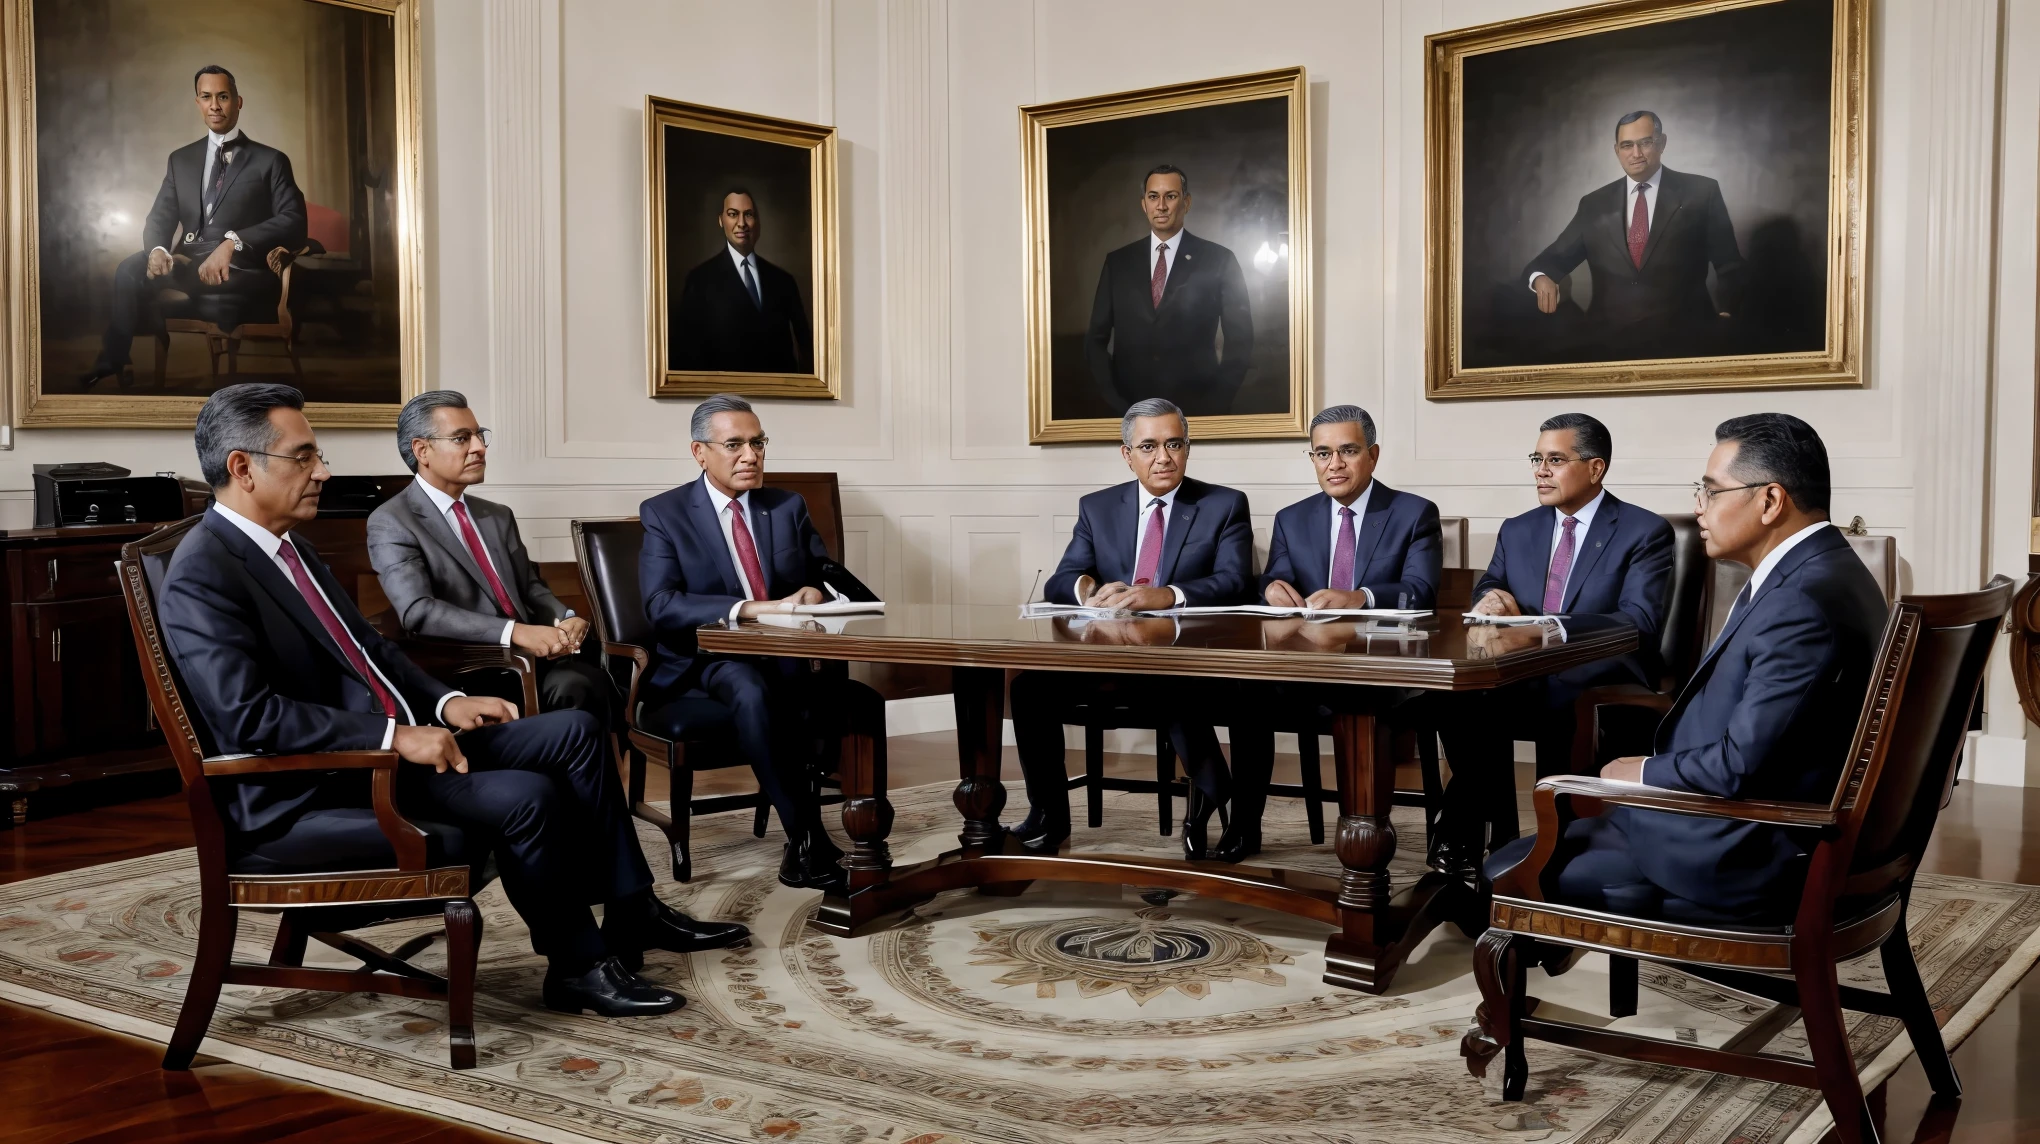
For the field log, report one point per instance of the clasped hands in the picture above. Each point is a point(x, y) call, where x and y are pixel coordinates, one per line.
point(1282, 594)
point(752, 609)
point(1123, 596)
point(212, 271)
point(436, 747)
point(550, 641)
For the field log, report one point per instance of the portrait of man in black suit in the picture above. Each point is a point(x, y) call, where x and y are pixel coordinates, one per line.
point(1171, 318)
point(736, 312)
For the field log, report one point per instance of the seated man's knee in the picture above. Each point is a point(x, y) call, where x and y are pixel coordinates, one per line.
point(520, 802)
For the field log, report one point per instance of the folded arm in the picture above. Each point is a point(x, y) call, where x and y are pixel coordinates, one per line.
point(1078, 561)
point(399, 558)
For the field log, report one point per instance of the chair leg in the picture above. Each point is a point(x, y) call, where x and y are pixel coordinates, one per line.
point(1165, 781)
point(1622, 986)
point(217, 922)
point(1434, 783)
point(1499, 964)
point(162, 358)
point(291, 939)
point(212, 354)
point(760, 817)
point(1094, 775)
point(1902, 978)
point(682, 806)
point(233, 357)
point(297, 370)
point(1827, 1039)
point(1307, 760)
point(463, 945)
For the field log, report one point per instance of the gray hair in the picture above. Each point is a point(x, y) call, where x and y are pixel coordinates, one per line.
point(1657, 126)
point(709, 407)
point(416, 419)
point(1340, 414)
point(236, 419)
point(1151, 407)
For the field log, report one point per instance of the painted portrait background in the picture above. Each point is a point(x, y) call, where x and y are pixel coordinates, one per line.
point(1237, 158)
point(701, 167)
point(114, 98)
point(1745, 100)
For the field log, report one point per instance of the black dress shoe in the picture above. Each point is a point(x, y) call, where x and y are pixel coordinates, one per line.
point(1041, 833)
point(1195, 818)
point(661, 926)
point(608, 990)
point(806, 866)
point(1238, 842)
point(96, 374)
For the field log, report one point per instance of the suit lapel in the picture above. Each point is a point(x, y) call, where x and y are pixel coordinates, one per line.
point(706, 518)
point(240, 153)
point(1594, 543)
point(1314, 548)
point(1669, 200)
point(1534, 555)
point(496, 542)
point(1372, 524)
point(280, 588)
point(434, 524)
point(1618, 215)
point(761, 535)
point(1173, 533)
point(1180, 267)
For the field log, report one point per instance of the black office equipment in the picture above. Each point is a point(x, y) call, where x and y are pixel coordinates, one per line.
point(96, 492)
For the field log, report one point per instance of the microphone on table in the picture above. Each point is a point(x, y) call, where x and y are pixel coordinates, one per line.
point(1031, 587)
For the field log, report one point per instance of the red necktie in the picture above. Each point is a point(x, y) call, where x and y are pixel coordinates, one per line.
point(333, 625)
point(1639, 226)
point(1344, 551)
point(1161, 278)
point(747, 552)
point(481, 555)
point(1150, 549)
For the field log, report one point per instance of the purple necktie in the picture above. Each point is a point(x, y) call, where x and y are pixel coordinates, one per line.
point(1342, 553)
point(1150, 548)
point(1561, 567)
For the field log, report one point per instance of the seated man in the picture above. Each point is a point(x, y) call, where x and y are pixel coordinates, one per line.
point(1582, 551)
point(277, 660)
point(1158, 541)
point(455, 568)
point(1769, 713)
point(725, 547)
point(1356, 544)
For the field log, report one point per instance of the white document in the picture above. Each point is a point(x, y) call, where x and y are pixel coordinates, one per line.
point(834, 623)
point(836, 607)
point(1506, 621)
point(1043, 610)
point(1278, 612)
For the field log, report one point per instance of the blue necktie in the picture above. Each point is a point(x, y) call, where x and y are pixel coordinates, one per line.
point(751, 286)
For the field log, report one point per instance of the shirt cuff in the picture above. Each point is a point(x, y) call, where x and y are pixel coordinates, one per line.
point(439, 708)
point(389, 736)
point(236, 240)
point(568, 616)
point(1643, 771)
point(1534, 276)
point(508, 627)
point(164, 249)
point(1367, 594)
point(1180, 598)
point(734, 609)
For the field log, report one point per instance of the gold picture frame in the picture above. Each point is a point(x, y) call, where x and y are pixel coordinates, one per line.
point(1298, 388)
point(20, 313)
point(664, 240)
point(1467, 353)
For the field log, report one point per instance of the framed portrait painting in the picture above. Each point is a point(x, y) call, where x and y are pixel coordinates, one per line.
point(741, 254)
point(186, 209)
point(1643, 196)
point(1168, 255)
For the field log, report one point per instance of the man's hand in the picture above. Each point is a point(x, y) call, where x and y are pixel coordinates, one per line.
point(1087, 587)
point(1283, 595)
point(541, 640)
point(468, 712)
point(1117, 595)
point(1497, 603)
point(430, 746)
point(1326, 598)
point(213, 271)
point(576, 630)
point(159, 262)
point(1547, 293)
point(1628, 769)
point(755, 608)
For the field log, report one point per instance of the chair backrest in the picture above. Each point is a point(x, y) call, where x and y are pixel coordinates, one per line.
point(143, 564)
point(607, 551)
point(1680, 644)
point(1878, 553)
point(824, 504)
point(1454, 529)
point(1901, 773)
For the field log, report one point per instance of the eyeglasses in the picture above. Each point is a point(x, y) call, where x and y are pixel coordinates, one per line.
point(1553, 461)
point(1174, 445)
point(463, 440)
point(1704, 496)
point(304, 460)
point(1346, 453)
point(735, 445)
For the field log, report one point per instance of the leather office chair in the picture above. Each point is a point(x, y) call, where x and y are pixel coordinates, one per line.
point(391, 868)
point(227, 320)
point(1618, 716)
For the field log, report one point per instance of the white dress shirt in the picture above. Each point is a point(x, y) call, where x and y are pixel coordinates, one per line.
point(743, 261)
point(445, 504)
point(1629, 194)
point(1586, 522)
point(729, 535)
point(1169, 248)
point(272, 545)
point(1359, 507)
point(214, 141)
point(1147, 508)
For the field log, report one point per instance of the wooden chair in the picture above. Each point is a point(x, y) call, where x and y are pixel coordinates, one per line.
point(1871, 836)
point(430, 870)
point(218, 319)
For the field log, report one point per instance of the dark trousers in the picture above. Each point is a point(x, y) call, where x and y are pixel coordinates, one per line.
point(1254, 712)
point(1043, 701)
point(569, 683)
point(133, 288)
point(1594, 869)
point(1479, 730)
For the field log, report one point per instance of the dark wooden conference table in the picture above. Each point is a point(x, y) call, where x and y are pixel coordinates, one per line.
point(1377, 927)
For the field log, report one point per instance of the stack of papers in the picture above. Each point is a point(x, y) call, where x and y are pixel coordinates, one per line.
point(1506, 621)
point(838, 607)
point(1042, 610)
point(1275, 611)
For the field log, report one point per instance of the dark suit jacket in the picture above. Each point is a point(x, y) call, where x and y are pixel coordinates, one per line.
point(1689, 231)
point(713, 324)
point(689, 580)
point(1402, 551)
point(261, 673)
point(1623, 567)
point(1769, 714)
point(261, 204)
point(433, 580)
point(1207, 544)
point(1139, 350)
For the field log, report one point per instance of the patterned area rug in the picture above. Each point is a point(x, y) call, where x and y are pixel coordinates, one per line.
point(1071, 1013)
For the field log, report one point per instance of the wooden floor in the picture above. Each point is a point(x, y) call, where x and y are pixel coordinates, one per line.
point(64, 1081)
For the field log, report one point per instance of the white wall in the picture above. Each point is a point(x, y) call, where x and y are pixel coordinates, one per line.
point(534, 189)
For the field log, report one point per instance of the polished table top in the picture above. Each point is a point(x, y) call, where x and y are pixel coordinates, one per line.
point(1438, 652)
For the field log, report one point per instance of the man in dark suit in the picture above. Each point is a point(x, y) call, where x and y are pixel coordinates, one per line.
point(1356, 544)
point(1648, 238)
point(1582, 551)
point(1159, 541)
point(726, 548)
point(226, 203)
point(277, 660)
point(455, 568)
point(1163, 303)
point(737, 312)
point(1769, 713)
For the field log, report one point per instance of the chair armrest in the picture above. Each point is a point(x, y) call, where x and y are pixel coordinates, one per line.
point(1586, 722)
point(451, 657)
point(321, 761)
point(640, 661)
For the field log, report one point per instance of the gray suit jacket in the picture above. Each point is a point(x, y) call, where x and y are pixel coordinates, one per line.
point(433, 581)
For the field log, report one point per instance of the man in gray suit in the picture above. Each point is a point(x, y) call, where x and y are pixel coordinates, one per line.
point(454, 567)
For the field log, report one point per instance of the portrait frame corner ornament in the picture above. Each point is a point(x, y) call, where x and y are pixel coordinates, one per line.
point(825, 383)
point(1037, 120)
point(22, 400)
point(1839, 364)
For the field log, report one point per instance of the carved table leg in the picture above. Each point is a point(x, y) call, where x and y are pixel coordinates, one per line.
point(980, 695)
point(867, 815)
